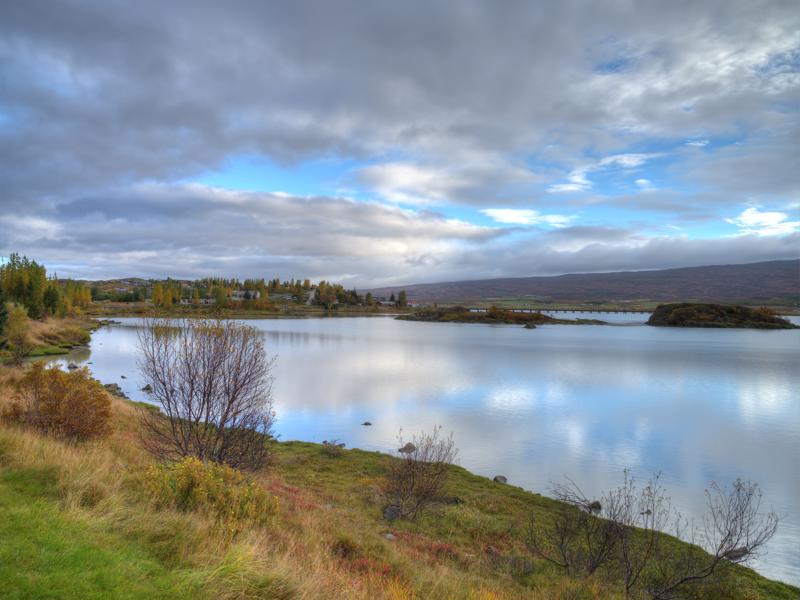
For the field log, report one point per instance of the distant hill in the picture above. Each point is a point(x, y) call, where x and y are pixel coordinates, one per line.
point(753, 282)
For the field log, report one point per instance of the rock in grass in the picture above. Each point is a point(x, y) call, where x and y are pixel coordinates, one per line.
point(114, 389)
point(390, 536)
point(407, 449)
point(500, 479)
point(72, 366)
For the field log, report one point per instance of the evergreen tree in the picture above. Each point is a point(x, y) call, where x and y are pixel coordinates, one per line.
point(52, 299)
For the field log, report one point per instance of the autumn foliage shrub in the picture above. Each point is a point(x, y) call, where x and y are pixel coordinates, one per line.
point(69, 406)
point(217, 491)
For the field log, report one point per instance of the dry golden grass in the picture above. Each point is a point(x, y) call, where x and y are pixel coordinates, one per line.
point(71, 331)
point(325, 540)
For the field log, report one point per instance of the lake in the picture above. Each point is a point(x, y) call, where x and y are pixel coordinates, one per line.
point(538, 405)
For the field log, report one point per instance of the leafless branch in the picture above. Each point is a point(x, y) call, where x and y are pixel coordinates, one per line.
point(213, 383)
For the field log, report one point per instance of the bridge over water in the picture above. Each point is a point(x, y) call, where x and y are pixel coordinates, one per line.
point(566, 310)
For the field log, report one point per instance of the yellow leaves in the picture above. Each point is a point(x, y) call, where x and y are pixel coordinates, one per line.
point(219, 491)
point(65, 405)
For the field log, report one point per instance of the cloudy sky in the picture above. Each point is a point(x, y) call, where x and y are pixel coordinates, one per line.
point(389, 142)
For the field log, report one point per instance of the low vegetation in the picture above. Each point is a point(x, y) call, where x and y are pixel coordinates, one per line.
point(105, 518)
point(618, 538)
point(493, 316)
point(69, 406)
point(717, 315)
point(417, 478)
point(217, 491)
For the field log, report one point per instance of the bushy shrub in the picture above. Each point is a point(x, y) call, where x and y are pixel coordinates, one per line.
point(217, 491)
point(333, 448)
point(70, 406)
point(417, 478)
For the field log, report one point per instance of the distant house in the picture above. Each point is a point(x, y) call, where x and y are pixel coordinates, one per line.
point(202, 301)
point(239, 295)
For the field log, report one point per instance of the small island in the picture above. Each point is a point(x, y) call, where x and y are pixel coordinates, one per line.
point(717, 315)
point(492, 316)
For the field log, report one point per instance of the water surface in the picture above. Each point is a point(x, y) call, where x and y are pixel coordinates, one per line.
point(537, 405)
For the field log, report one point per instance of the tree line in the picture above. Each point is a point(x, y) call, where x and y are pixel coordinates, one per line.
point(25, 282)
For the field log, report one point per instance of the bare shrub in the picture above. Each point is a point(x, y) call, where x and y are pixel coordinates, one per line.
point(733, 530)
point(217, 491)
point(212, 380)
point(70, 406)
point(638, 517)
point(417, 477)
point(578, 540)
point(621, 536)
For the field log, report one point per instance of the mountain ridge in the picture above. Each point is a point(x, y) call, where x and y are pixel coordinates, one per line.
point(759, 281)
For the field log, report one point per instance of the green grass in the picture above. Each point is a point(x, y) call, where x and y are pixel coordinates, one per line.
point(45, 553)
point(48, 350)
point(480, 513)
point(120, 547)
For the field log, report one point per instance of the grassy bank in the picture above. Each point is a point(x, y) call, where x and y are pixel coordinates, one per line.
point(53, 337)
point(77, 522)
point(141, 309)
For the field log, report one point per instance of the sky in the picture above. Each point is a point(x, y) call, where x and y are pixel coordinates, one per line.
point(376, 143)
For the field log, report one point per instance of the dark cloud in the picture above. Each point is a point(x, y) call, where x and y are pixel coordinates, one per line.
point(99, 91)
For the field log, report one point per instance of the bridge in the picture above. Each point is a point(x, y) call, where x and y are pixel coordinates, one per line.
point(566, 310)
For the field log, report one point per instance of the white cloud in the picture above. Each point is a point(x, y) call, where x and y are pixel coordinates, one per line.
point(407, 183)
point(645, 184)
point(753, 221)
point(31, 228)
point(578, 180)
point(524, 216)
point(475, 179)
point(626, 161)
point(697, 143)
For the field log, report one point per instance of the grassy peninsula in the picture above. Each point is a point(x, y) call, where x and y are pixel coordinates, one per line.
point(492, 315)
point(77, 518)
point(717, 315)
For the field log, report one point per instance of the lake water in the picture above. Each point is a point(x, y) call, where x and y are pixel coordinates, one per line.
point(538, 405)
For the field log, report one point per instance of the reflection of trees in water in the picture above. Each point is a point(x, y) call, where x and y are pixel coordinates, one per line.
point(305, 338)
point(77, 356)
